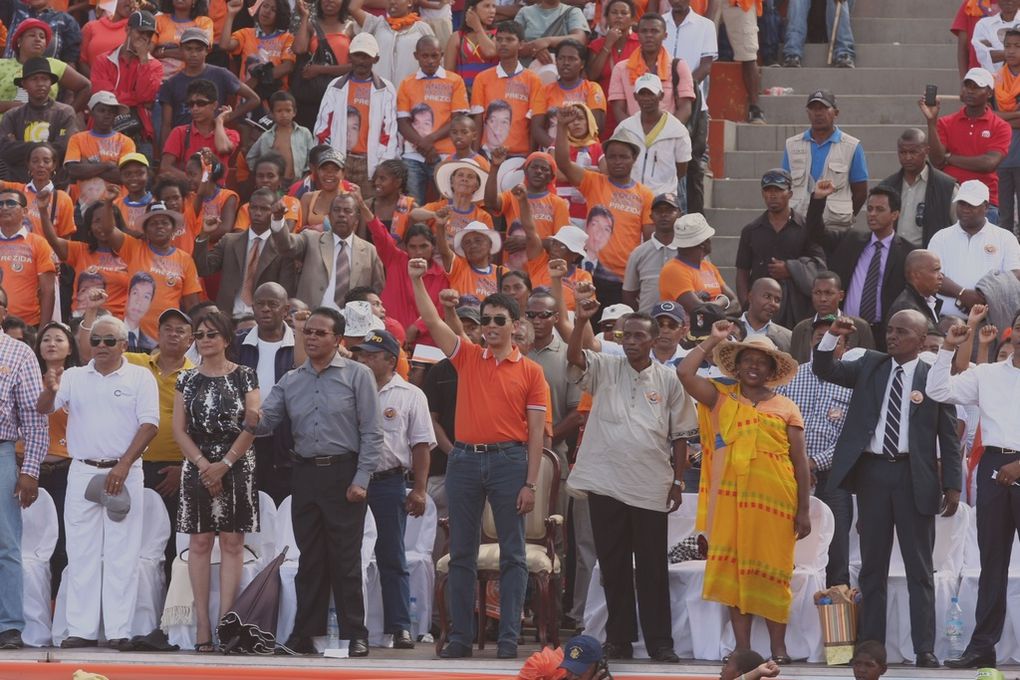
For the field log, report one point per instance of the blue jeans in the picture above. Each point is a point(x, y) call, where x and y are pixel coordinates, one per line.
point(386, 500)
point(993, 215)
point(12, 615)
point(796, 27)
point(418, 177)
point(471, 479)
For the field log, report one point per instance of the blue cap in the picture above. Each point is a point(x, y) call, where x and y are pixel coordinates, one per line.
point(671, 309)
point(380, 341)
point(580, 652)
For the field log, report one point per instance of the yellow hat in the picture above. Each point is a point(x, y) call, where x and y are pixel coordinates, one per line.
point(133, 157)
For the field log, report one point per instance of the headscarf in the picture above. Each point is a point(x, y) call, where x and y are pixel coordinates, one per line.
point(1007, 89)
point(542, 156)
point(593, 129)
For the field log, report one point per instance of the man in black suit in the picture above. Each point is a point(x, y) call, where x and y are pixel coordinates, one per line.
point(927, 193)
point(923, 270)
point(871, 263)
point(887, 455)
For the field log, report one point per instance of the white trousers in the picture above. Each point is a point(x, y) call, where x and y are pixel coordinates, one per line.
point(102, 557)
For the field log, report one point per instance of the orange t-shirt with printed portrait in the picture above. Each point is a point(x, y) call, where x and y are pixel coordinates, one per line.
point(22, 259)
point(538, 271)
point(61, 209)
point(586, 92)
point(194, 222)
point(549, 212)
point(442, 95)
point(630, 206)
point(174, 274)
point(106, 264)
point(678, 277)
point(90, 147)
point(505, 105)
point(292, 205)
point(133, 211)
point(467, 280)
point(359, 94)
point(274, 47)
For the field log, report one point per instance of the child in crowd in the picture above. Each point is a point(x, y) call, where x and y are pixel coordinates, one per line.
point(390, 206)
point(286, 137)
point(269, 175)
point(397, 33)
point(42, 165)
point(173, 20)
point(464, 135)
point(134, 200)
point(746, 664)
point(308, 182)
point(171, 193)
point(92, 155)
point(207, 130)
point(869, 662)
point(208, 201)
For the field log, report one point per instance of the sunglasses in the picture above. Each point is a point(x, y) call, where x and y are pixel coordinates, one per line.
point(10, 203)
point(109, 341)
point(317, 332)
point(539, 315)
point(198, 102)
point(201, 335)
point(498, 320)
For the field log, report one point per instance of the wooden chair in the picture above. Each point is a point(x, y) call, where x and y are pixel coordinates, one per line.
point(544, 568)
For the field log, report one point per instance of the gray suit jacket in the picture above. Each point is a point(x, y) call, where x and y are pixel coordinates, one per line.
point(228, 257)
point(315, 251)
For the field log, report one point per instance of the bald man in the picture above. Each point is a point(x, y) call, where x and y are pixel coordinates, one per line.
point(763, 303)
point(926, 192)
point(889, 454)
point(923, 272)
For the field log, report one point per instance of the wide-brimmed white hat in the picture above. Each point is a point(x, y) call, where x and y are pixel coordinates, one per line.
point(691, 230)
point(360, 319)
point(444, 177)
point(479, 227)
point(574, 238)
point(726, 353)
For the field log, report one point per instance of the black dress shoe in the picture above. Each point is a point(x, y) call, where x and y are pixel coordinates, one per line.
point(120, 644)
point(973, 660)
point(613, 650)
point(403, 640)
point(506, 650)
point(455, 650)
point(78, 643)
point(927, 660)
point(665, 655)
point(301, 645)
point(11, 639)
point(358, 648)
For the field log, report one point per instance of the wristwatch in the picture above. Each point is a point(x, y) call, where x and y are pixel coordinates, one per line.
point(531, 485)
point(680, 483)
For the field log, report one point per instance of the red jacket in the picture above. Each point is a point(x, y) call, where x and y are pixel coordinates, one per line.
point(135, 84)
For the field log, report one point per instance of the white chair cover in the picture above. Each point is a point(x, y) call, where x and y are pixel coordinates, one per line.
point(151, 575)
point(38, 540)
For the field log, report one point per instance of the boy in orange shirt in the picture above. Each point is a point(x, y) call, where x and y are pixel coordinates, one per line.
point(426, 103)
point(92, 155)
point(619, 209)
point(502, 96)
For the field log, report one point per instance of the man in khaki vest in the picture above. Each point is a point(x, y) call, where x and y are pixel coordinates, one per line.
point(826, 152)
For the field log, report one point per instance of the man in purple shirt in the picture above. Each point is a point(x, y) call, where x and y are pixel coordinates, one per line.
point(20, 383)
point(872, 262)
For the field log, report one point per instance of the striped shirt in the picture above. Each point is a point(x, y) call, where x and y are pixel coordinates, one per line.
point(20, 385)
point(823, 406)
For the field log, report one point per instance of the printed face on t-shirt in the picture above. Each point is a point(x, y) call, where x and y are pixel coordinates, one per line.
point(139, 300)
point(497, 124)
point(600, 230)
point(422, 120)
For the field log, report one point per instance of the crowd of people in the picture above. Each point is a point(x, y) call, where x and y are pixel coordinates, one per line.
point(373, 254)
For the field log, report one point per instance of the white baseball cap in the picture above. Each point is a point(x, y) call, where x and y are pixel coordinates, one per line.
point(103, 97)
point(980, 77)
point(614, 312)
point(572, 237)
point(648, 81)
point(973, 192)
point(364, 43)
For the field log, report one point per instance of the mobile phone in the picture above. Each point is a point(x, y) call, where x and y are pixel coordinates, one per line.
point(931, 93)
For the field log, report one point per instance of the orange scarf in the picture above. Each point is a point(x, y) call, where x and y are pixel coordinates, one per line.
point(748, 4)
point(1007, 89)
point(400, 23)
point(975, 9)
point(636, 66)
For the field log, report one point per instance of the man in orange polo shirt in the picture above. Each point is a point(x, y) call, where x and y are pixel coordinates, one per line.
point(500, 422)
point(27, 265)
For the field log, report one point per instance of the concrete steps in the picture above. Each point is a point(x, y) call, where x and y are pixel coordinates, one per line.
point(882, 55)
point(754, 164)
point(906, 9)
point(876, 81)
point(918, 29)
point(883, 109)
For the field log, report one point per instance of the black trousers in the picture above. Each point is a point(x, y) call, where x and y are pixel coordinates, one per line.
point(885, 500)
point(630, 544)
point(328, 530)
point(998, 516)
point(840, 501)
point(152, 477)
point(270, 475)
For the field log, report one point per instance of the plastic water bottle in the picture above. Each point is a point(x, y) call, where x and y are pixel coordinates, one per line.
point(413, 609)
point(583, 158)
point(777, 91)
point(332, 629)
point(954, 629)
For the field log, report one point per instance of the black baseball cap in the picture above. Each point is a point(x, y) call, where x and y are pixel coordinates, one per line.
point(142, 21)
point(669, 198)
point(824, 96)
point(380, 341)
point(777, 177)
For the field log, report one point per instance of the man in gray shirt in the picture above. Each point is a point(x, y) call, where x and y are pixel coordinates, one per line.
point(641, 279)
point(334, 413)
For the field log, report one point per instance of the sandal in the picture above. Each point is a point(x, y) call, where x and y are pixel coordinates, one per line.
point(781, 659)
point(205, 647)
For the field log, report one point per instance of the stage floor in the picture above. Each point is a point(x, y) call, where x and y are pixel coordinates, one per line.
point(382, 664)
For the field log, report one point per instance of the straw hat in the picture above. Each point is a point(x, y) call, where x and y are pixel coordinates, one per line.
point(725, 357)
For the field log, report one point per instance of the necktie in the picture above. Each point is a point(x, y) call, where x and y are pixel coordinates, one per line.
point(891, 443)
point(248, 285)
point(343, 274)
point(869, 296)
point(132, 341)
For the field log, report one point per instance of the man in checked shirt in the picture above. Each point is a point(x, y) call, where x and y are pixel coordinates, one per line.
point(20, 385)
point(823, 406)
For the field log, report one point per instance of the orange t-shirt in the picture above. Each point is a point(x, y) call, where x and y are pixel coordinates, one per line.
point(218, 14)
point(339, 43)
point(493, 397)
point(507, 124)
point(401, 219)
point(458, 220)
point(89, 147)
point(274, 47)
point(479, 159)
point(549, 212)
point(292, 204)
point(358, 96)
point(538, 270)
point(442, 95)
point(61, 209)
point(586, 92)
point(174, 273)
point(193, 222)
point(465, 279)
point(22, 260)
point(631, 208)
point(169, 32)
point(108, 265)
point(678, 277)
point(133, 211)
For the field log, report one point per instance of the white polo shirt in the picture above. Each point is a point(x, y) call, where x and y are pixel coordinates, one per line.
point(406, 422)
point(694, 39)
point(104, 412)
point(966, 258)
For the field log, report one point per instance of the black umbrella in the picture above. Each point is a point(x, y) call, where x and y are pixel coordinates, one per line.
point(250, 626)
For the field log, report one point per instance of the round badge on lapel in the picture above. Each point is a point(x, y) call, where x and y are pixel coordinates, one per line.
point(990, 248)
point(916, 396)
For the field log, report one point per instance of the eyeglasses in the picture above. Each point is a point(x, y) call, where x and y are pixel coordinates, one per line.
point(198, 102)
point(201, 335)
point(10, 203)
point(498, 320)
point(109, 341)
point(539, 315)
point(317, 332)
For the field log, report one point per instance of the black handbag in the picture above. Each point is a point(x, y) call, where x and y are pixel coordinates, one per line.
point(309, 91)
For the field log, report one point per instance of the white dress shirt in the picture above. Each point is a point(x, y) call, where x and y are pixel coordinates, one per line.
point(328, 294)
point(239, 306)
point(993, 388)
point(266, 370)
point(987, 30)
point(406, 423)
point(966, 258)
point(693, 40)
